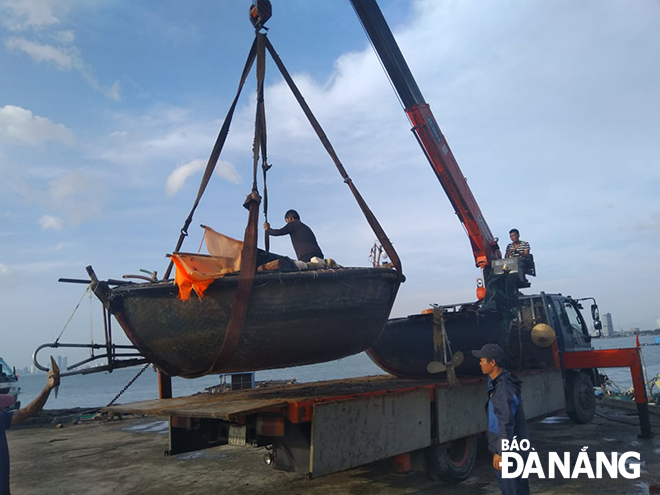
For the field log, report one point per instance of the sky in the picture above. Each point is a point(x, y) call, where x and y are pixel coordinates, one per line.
point(109, 110)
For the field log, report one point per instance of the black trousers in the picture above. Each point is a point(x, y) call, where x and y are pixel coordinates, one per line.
point(512, 486)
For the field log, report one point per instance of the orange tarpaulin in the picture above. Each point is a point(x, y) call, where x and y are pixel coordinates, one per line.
point(197, 271)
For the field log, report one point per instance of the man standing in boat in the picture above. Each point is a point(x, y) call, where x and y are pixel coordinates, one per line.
point(506, 416)
point(7, 419)
point(302, 237)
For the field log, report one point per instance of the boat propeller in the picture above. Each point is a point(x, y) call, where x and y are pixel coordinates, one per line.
point(439, 367)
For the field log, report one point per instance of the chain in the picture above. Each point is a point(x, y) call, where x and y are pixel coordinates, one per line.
point(128, 384)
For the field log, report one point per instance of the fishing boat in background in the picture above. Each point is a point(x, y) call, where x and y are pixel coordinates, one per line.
point(442, 338)
point(406, 346)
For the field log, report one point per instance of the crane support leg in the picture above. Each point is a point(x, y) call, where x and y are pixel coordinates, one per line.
point(617, 358)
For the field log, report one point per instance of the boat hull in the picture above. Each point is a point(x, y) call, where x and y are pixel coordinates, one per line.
point(294, 318)
point(405, 347)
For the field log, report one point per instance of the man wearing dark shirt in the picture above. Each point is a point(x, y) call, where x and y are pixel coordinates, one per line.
point(302, 237)
point(7, 419)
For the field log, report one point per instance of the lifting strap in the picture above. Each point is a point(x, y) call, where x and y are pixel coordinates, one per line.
point(215, 154)
point(261, 119)
point(249, 253)
point(371, 218)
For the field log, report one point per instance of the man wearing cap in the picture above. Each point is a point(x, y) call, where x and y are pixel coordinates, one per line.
point(7, 419)
point(506, 416)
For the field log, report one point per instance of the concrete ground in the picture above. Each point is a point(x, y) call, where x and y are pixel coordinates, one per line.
point(126, 457)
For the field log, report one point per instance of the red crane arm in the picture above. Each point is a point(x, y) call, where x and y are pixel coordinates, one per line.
point(437, 150)
point(427, 131)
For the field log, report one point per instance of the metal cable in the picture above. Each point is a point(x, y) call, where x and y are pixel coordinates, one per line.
point(72, 314)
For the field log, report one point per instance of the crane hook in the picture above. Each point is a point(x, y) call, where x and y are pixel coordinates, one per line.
point(260, 12)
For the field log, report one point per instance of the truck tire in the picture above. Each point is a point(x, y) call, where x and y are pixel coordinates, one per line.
point(452, 462)
point(580, 399)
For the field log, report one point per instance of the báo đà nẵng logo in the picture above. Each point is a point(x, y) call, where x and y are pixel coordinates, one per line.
point(519, 459)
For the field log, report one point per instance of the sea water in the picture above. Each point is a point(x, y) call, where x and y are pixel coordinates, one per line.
point(98, 389)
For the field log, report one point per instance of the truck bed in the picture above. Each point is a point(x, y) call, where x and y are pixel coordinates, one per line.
point(232, 404)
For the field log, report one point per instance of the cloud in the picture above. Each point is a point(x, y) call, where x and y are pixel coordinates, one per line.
point(18, 125)
point(112, 92)
point(62, 245)
point(178, 177)
point(4, 269)
point(32, 14)
point(39, 16)
point(58, 198)
point(653, 225)
point(64, 36)
point(75, 195)
point(49, 222)
point(65, 58)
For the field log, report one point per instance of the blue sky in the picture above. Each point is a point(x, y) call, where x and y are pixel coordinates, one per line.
point(108, 108)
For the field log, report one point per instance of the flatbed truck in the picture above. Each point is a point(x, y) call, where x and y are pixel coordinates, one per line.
point(329, 426)
point(425, 424)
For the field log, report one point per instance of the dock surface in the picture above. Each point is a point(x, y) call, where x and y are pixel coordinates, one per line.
point(127, 457)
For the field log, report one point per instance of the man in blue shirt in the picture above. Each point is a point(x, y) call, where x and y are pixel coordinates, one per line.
point(506, 416)
point(7, 419)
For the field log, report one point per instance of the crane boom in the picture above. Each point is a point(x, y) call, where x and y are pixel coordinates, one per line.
point(428, 133)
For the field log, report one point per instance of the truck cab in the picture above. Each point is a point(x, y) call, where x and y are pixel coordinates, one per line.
point(9, 382)
point(565, 316)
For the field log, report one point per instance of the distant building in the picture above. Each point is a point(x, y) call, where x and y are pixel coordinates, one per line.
point(59, 361)
point(607, 325)
point(657, 323)
point(65, 362)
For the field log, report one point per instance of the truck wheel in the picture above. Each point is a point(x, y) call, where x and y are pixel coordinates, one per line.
point(581, 400)
point(452, 461)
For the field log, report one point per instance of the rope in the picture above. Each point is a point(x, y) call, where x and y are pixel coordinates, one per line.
point(72, 314)
point(201, 243)
point(91, 319)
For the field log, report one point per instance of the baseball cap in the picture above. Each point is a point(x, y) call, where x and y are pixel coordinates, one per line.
point(6, 400)
point(491, 351)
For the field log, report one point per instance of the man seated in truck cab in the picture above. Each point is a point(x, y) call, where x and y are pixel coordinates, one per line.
point(520, 248)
